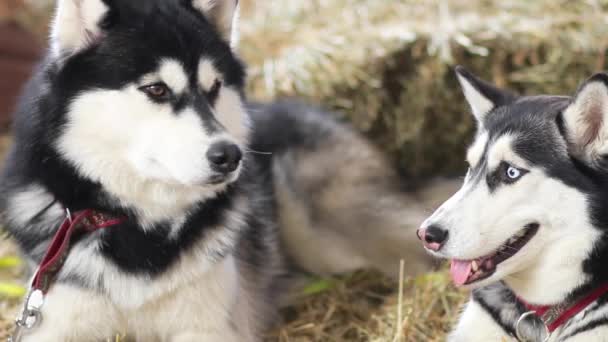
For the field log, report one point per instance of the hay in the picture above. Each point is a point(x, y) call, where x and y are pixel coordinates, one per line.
point(386, 66)
point(364, 307)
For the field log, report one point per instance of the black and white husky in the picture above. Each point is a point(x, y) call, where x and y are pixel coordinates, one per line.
point(138, 111)
point(528, 230)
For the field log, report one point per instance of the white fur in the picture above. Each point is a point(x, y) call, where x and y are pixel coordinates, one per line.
point(207, 74)
point(235, 35)
point(198, 299)
point(476, 325)
point(592, 99)
point(596, 334)
point(173, 74)
point(478, 224)
point(475, 152)
point(33, 199)
point(230, 112)
point(201, 308)
point(87, 264)
point(76, 24)
point(501, 150)
point(480, 105)
point(229, 109)
point(146, 155)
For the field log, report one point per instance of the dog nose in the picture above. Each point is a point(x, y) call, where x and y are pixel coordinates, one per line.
point(433, 237)
point(224, 157)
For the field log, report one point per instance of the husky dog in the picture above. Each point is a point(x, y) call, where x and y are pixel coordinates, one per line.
point(139, 111)
point(530, 223)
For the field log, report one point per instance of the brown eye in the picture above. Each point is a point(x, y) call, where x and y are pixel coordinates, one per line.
point(157, 91)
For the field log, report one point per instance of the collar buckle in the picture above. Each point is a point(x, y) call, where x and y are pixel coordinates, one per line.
point(522, 318)
point(68, 215)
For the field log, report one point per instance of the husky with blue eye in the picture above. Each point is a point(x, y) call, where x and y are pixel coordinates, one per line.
point(139, 112)
point(528, 230)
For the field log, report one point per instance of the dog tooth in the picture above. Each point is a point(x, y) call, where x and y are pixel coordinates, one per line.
point(475, 266)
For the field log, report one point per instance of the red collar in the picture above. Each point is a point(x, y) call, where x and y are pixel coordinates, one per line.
point(556, 315)
point(86, 221)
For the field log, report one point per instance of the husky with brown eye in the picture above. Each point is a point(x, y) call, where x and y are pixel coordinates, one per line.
point(173, 203)
point(528, 230)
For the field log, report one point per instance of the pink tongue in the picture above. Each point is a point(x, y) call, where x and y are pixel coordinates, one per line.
point(460, 270)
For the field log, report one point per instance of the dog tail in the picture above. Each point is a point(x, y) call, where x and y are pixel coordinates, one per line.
point(341, 204)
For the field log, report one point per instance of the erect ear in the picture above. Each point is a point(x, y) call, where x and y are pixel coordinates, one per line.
point(224, 14)
point(482, 96)
point(77, 24)
point(586, 119)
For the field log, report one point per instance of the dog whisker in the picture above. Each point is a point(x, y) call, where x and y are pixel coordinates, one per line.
point(258, 152)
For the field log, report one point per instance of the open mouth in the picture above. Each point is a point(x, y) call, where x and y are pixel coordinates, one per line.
point(465, 272)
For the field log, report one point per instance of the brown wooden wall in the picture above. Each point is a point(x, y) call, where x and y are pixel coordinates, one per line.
point(19, 52)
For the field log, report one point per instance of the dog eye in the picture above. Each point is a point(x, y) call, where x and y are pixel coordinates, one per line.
point(157, 91)
point(511, 173)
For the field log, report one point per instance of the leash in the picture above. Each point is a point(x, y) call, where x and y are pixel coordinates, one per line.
point(86, 221)
point(555, 316)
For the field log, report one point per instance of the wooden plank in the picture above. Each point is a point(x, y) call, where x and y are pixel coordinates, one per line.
point(19, 52)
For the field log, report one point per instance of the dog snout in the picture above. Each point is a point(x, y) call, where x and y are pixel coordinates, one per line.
point(433, 237)
point(224, 157)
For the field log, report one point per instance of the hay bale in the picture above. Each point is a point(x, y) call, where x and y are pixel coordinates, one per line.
point(387, 66)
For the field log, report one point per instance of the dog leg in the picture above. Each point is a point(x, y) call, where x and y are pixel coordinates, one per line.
point(72, 314)
point(476, 325)
point(213, 307)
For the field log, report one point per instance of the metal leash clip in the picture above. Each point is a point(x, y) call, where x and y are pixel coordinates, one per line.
point(30, 316)
point(521, 319)
point(68, 215)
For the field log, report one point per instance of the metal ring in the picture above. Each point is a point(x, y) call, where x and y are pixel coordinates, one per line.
point(521, 319)
point(33, 319)
point(68, 214)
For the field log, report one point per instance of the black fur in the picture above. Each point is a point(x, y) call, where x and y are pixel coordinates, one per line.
point(137, 35)
point(538, 124)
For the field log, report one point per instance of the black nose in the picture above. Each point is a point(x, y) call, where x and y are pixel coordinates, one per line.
point(224, 157)
point(435, 234)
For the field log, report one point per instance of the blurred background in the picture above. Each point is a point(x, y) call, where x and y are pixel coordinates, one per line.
point(386, 67)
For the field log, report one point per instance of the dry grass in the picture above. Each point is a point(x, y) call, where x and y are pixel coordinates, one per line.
point(367, 307)
point(386, 65)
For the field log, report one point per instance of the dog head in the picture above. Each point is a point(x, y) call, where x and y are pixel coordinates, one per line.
point(148, 99)
point(530, 211)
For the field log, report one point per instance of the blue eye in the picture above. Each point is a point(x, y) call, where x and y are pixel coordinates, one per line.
point(513, 173)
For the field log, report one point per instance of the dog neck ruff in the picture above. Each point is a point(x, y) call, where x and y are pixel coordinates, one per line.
point(82, 222)
point(554, 316)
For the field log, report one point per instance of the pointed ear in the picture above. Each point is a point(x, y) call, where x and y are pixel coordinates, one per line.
point(586, 119)
point(482, 96)
point(77, 24)
point(224, 14)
